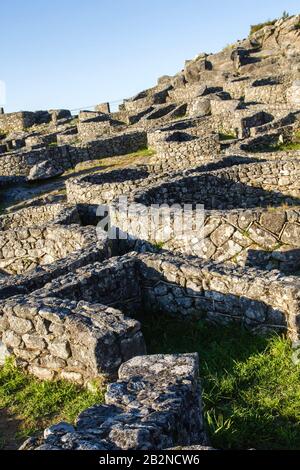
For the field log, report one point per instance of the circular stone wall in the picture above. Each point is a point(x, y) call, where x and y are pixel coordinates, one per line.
point(251, 215)
point(240, 186)
point(102, 188)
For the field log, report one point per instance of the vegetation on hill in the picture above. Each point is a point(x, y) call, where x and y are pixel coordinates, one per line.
point(256, 27)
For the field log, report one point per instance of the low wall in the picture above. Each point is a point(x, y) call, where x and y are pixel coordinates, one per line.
point(119, 144)
point(181, 151)
point(102, 188)
point(62, 321)
point(130, 419)
point(25, 248)
point(61, 339)
point(243, 187)
point(66, 156)
point(38, 277)
point(20, 163)
point(266, 94)
point(260, 300)
point(11, 122)
point(16, 121)
point(249, 185)
point(109, 283)
point(40, 215)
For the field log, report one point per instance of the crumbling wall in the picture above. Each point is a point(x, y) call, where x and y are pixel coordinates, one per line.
point(40, 215)
point(155, 404)
point(54, 338)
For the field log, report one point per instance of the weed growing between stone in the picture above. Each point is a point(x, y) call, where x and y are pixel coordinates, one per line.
point(251, 387)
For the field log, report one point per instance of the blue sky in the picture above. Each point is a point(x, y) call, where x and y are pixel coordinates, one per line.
point(75, 53)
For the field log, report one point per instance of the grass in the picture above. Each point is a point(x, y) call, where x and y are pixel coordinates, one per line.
point(293, 145)
point(158, 245)
point(40, 403)
point(226, 136)
point(288, 147)
point(251, 387)
point(119, 161)
point(256, 27)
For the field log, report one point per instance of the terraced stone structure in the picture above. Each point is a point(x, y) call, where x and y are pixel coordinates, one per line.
point(222, 134)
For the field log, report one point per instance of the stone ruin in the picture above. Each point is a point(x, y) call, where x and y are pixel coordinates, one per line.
point(222, 134)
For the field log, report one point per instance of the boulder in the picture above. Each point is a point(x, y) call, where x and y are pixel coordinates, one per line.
point(44, 170)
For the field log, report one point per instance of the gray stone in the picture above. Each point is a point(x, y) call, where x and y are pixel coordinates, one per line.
point(44, 170)
point(291, 234)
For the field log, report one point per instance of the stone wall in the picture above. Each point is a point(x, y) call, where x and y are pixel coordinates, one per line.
point(155, 404)
point(20, 163)
point(97, 124)
point(260, 300)
point(237, 87)
point(241, 232)
point(243, 186)
point(38, 277)
point(180, 150)
point(11, 122)
point(65, 157)
point(53, 338)
point(110, 283)
point(266, 94)
point(16, 121)
point(119, 144)
point(40, 215)
point(102, 188)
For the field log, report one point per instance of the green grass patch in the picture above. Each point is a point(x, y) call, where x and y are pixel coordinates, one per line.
point(226, 136)
point(145, 152)
point(40, 403)
point(251, 387)
point(105, 163)
point(180, 116)
point(288, 147)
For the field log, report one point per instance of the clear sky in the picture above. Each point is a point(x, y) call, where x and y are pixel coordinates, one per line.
point(77, 53)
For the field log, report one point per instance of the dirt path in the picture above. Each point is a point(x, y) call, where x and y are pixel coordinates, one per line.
point(9, 427)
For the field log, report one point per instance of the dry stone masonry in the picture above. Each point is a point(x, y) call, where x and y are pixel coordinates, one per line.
point(223, 135)
point(155, 404)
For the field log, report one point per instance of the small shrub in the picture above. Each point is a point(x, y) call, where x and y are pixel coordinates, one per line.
point(158, 245)
point(285, 15)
